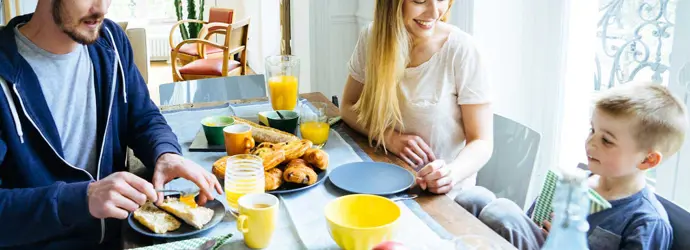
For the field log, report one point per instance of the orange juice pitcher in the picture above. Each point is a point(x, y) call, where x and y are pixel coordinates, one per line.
point(282, 81)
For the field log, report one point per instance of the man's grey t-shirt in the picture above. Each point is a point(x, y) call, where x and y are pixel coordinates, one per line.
point(67, 82)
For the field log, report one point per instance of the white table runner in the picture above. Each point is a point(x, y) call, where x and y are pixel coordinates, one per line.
point(302, 224)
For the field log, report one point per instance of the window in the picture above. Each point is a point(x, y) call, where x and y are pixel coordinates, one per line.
point(630, 40)
point(155, 11)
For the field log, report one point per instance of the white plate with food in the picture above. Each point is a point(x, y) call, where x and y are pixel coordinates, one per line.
point(175, 219)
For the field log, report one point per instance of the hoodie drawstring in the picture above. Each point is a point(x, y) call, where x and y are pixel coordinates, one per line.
point(118, 63)
point(13, 109)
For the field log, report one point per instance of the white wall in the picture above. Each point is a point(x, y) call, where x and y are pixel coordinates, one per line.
point(334, 29)
point(523, 44)
point(27, 6)
point(301, 42)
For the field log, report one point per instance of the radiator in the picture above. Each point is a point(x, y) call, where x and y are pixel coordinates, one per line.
point(160, 47)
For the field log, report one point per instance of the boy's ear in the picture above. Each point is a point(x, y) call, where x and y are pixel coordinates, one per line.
point(652, 160)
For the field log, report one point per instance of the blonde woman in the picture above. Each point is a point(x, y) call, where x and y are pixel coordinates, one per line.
point(417, 88)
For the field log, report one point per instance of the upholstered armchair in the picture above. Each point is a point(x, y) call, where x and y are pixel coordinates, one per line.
point(235, 43)
point(136, 32)
point(189, 52)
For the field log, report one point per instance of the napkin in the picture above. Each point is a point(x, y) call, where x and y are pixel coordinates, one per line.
point(544, 205)
point(188, 244)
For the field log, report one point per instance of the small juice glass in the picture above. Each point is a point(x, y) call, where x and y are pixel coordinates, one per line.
point(314, 124)
point(244, 174)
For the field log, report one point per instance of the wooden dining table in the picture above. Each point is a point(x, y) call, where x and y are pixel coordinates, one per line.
point(452, 217)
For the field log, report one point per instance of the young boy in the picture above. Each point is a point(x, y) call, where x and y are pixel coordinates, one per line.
point(634, 127)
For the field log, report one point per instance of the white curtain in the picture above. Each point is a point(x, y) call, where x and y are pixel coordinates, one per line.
point(264, 30)
point(527, 45)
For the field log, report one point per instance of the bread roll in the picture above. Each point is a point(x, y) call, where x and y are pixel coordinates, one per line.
point(298, 171)
point(266, 134)
point(273, 179)
point(317, 158)
point(296, 149)
point(219, 167)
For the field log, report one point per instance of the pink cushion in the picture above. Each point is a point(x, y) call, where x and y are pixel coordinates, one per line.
point(208, 67)
point(192, 49)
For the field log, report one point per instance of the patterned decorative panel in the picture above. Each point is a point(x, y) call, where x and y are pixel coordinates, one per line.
point(636, 38)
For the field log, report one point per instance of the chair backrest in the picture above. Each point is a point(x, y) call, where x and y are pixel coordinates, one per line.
point(236, 40)
point(679, 219)
point(508, 172)
point(220, 15)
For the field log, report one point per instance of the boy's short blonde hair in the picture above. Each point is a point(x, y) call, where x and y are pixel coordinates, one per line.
point(661, 117)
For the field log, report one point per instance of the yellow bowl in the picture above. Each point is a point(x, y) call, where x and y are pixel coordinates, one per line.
point(361, 221)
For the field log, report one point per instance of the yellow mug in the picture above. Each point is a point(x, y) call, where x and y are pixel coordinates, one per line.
point(238, 139)
point(257, 219)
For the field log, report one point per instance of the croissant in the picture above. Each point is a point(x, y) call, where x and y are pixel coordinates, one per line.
point(219, 167)
point(273, 179)
point(317, 158)
point(271, 157)
point(296, 149)
point(299, 172)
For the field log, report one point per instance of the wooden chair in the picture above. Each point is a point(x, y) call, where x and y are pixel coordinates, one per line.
point(236, 35)
point(191, 52)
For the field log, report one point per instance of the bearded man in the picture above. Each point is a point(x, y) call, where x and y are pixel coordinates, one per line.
point(71, 103)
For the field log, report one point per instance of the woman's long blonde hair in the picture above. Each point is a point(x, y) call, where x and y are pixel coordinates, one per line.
point(388, 49)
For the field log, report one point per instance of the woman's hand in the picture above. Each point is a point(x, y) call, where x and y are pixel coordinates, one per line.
point(411, 148)
point(437, 177)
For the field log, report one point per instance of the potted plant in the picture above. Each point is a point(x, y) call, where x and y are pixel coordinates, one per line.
point(191, 30)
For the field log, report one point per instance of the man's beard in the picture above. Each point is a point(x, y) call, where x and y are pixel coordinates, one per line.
point(62, 17)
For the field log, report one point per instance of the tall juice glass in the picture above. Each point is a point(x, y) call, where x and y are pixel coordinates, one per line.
point(244, 174)
point(282, 80)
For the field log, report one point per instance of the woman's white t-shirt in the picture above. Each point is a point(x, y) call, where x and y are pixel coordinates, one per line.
point(433, 92)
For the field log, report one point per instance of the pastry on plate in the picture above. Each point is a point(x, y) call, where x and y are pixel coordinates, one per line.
point(317, 158)
point(219, 167)
point(271, 157)
point(156, 219)
point(273, 178)
point(196, 217)
point(298, 171)
point(296, 149)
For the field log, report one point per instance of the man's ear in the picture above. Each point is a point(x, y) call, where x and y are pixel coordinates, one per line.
point(652, 160)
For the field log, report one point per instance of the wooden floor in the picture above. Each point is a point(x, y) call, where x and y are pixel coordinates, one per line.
point(159, 73)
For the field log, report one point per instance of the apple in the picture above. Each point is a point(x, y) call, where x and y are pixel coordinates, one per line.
point(390, 245)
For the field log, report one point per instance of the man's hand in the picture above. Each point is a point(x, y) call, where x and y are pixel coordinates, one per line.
point(436, 176)
point(118, 194)
point(171, 166)
point(411, 148)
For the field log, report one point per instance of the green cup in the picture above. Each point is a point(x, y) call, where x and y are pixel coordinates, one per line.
point(213, 128)
point(288, 123)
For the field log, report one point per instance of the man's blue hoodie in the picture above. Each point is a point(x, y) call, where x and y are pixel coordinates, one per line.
point(43, 199)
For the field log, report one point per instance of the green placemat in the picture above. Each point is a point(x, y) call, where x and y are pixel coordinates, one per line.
point(544, 206)
point(188, 244)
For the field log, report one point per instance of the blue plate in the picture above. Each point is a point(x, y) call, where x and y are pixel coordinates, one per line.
point(294, 187)
point(376, 178)
point(185, 230)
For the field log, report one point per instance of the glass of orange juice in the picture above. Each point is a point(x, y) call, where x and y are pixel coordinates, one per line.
point(244, 174)
point(314, 124)
point(282, 80)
